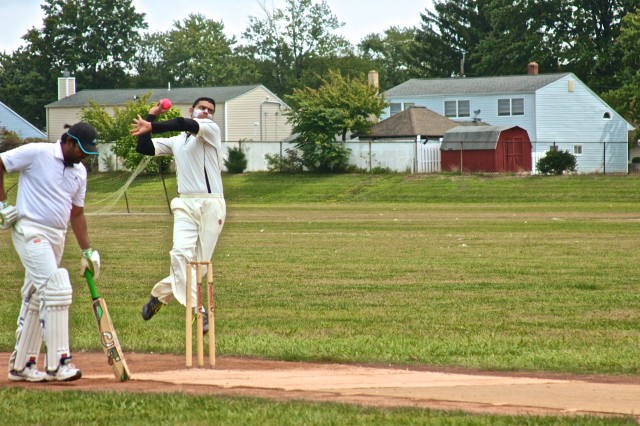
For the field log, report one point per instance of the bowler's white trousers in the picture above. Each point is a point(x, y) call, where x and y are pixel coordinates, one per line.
point(197, 223)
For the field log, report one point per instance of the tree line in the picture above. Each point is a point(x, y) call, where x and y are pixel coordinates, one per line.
point(296, 47)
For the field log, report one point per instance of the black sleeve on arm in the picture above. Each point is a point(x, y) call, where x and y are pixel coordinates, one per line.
point(179, 124)
point(145, 144)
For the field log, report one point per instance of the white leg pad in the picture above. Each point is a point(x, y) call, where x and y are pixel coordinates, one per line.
point(28, 333)
point(57, 299)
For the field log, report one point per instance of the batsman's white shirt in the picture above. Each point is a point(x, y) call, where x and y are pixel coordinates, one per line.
point(46, 188)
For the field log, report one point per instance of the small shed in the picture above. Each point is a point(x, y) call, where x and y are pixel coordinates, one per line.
point(486, 149)
point(410, 124)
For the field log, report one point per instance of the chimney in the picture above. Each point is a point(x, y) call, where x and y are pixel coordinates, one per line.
point(532, 68)
point(66, 84)
point(374, 81)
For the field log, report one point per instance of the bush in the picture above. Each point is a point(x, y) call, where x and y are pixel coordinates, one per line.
point(9, 140)
point(556, 162)
point(324, 155)
point(236, 162)
point(635, 160)
point(289, 163)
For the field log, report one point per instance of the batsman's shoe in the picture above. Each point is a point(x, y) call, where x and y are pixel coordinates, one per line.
point(151, 308)
point(29, 374)
point(66, 372)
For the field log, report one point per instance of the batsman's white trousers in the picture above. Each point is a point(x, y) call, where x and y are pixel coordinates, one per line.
point(40, 250)
point(197, 223)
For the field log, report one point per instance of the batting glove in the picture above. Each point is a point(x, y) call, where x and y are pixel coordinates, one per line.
point(8, 215)
point(91, 261)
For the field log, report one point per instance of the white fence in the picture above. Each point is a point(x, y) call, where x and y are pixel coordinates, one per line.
point(398, 156)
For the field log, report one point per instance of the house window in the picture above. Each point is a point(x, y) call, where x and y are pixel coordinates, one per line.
point(408, 105)
point(464, 109)
point(508, 107)
point(457, 108)
point(577, 150)
point(607, 116)
point(504, 107)
point(517, 106)
point(395, 108)
point(450, 109)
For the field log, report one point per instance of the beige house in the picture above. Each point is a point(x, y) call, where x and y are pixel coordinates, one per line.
point(243, 113)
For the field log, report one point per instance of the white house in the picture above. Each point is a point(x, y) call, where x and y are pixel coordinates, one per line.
point(250, 112)
point(557, 110)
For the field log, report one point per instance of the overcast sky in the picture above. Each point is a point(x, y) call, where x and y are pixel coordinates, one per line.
point(361, 17)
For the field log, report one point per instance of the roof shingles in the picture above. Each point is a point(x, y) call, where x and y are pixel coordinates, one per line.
point(177, 96)
point(418, 87)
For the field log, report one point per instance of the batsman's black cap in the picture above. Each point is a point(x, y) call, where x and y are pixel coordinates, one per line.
point(86, 136)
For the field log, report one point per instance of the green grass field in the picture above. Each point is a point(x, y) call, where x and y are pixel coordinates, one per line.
point(495, 272)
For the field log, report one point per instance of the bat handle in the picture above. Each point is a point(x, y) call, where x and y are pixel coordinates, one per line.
point(92, 285)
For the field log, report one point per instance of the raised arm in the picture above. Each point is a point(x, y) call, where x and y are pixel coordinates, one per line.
point(142, 128)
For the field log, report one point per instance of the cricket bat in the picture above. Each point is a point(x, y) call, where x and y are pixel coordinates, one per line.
point(108, 336)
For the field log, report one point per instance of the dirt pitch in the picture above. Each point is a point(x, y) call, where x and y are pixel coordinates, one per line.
point(370, 385)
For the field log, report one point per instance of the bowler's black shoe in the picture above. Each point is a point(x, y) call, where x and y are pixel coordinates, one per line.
point(205, 322)
point(150, 308)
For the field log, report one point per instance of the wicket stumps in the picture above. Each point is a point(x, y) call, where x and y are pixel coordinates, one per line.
point(199, 321)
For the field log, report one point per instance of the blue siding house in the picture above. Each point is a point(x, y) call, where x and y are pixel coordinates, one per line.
point(10, 120)
point(558, 111)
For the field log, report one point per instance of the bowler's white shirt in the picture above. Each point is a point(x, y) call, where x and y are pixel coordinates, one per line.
point(193, 154)
point(46, 188)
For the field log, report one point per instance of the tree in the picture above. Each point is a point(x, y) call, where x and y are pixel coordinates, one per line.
point(285, 40)
point(115, 128)
point(499, 37)
point(447, 35)
point(592, 52)
point(626, 99)
point(97, 39)
point(520, 32)
point(338, 106)
point(148, 66)
point(391, 55)
point(26, 85)
point(236, 160)
point(196, 53)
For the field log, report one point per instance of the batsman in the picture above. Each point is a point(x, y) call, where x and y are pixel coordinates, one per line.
point(51, 191)
point(199, 210)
